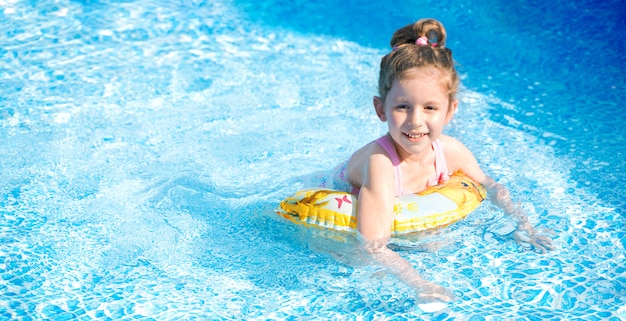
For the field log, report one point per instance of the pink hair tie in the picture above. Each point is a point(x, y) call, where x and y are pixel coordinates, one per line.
point(423, 41)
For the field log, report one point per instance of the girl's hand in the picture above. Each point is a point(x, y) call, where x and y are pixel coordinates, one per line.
point(527, 236)
point(429, 292)
point(432, 297)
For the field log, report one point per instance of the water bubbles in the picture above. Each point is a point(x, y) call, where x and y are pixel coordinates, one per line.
point(147, 144)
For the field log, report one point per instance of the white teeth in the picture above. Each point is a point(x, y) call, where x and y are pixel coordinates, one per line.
point(415, 135)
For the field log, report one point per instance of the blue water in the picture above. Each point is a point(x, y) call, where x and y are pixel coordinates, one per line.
point(144, 145)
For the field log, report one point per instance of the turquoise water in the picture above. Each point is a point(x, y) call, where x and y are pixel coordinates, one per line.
point(145, 145)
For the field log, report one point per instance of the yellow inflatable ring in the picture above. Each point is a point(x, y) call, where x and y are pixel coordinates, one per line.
point(437, 206)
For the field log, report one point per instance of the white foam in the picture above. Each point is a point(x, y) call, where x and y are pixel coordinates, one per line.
point(432, 306)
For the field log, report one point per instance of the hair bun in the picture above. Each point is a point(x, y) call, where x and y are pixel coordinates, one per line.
point(429, 28)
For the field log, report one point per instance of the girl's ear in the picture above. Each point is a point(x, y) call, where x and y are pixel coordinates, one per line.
point(451, 110)
point(380, 109)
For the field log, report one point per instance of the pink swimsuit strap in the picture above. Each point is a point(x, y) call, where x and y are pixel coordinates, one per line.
point(442, 174)
point(387, 145)
point(441, 166)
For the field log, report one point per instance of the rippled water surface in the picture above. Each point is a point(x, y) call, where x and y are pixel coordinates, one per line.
point(145, 144)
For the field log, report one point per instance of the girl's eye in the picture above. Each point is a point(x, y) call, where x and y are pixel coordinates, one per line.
point(403, 107)
point(430, 108)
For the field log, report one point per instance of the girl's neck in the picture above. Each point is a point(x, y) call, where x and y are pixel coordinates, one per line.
point(423, 158)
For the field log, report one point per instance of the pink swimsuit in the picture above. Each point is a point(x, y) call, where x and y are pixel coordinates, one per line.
point(441, 168)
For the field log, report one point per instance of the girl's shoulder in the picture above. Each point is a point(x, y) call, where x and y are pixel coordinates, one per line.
point(372, 152)
point(367, 159)
point(459, 157)
point(450, 144)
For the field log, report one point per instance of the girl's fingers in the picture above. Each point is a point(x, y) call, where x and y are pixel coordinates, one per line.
point(528, 238)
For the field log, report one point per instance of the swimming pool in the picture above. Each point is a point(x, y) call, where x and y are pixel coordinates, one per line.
point(145, 145)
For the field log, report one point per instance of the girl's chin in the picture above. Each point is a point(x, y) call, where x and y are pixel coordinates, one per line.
point(416, 148)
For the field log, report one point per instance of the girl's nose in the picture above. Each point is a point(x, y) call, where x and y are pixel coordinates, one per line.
point(416, 118)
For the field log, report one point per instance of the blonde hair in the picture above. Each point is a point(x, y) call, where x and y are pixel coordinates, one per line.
point(406, 55)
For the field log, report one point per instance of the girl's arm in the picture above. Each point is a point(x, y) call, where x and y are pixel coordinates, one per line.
point(460, 158)
point(375, 220)
point(525, 233)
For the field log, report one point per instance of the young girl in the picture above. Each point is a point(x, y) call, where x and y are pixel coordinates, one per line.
point(417, 97)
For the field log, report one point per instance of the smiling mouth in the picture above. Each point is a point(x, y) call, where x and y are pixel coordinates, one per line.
point(414, 136)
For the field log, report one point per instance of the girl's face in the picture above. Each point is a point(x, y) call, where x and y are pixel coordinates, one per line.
point(415, 109)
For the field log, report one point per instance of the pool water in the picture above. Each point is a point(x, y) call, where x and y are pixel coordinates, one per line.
point(145, 145)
